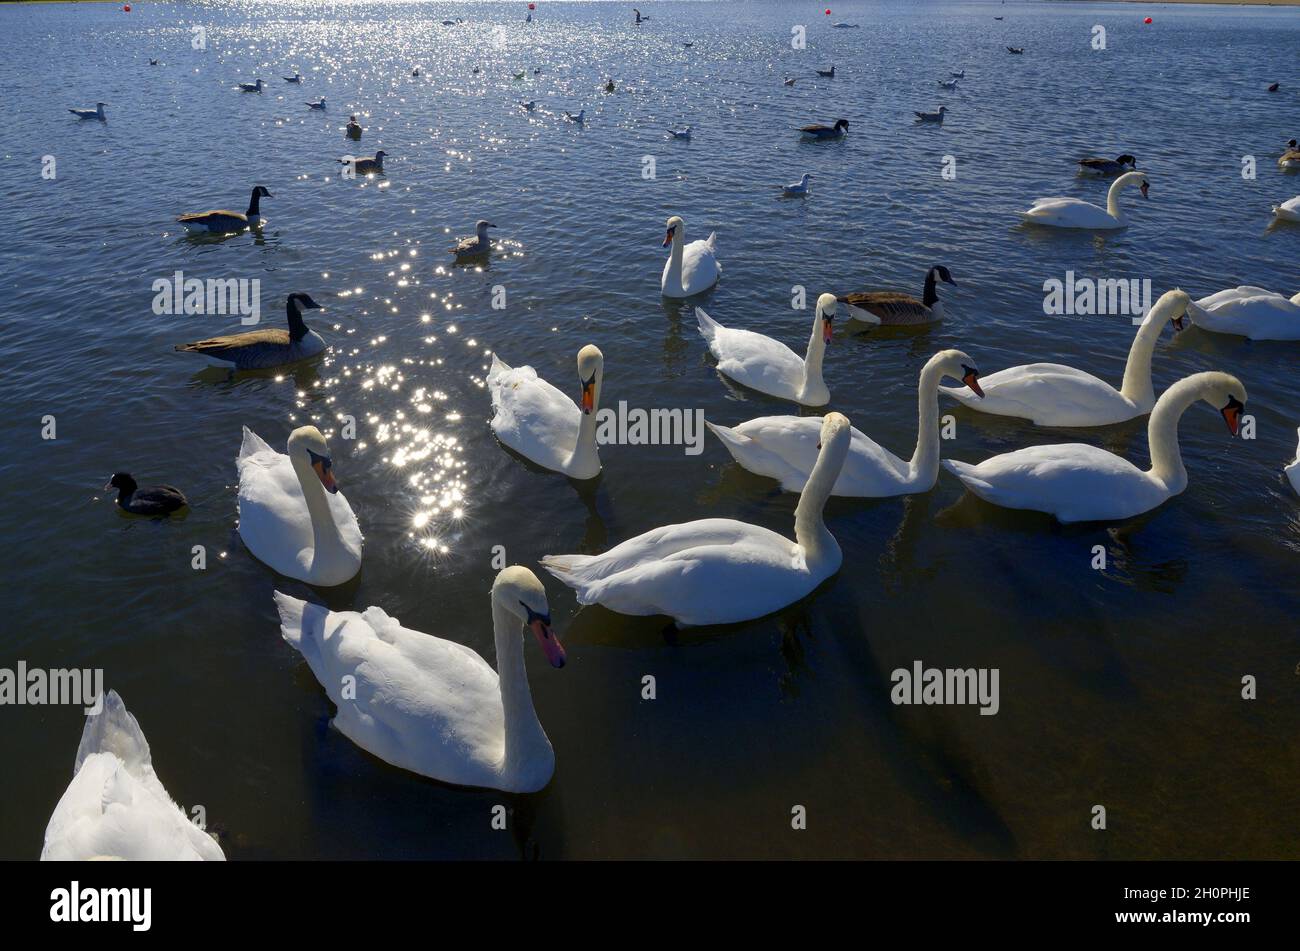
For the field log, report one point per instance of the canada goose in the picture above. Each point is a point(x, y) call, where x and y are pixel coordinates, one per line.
point(263, 349)
point(319, 104)
point(354, 129)
point(931, 116)
point(96, 113)
point(1100, 166)
point(528, 106)
point(828, 73)
point(609, 85)
point(416, 71)
point(367, 166)
point(896, 309)
point(476, 243)
point(579, 119)
point(151, 500)
point(222, 221)
point(295, 78)
point(826, 131)
point(251, 87)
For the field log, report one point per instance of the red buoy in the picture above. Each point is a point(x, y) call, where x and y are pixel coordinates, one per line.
point(1147, 20)
point(127, 8)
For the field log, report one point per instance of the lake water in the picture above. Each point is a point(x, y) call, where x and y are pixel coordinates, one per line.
point(1119, 687)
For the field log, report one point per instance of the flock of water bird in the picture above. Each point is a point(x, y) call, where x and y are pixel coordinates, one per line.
point(435, 707)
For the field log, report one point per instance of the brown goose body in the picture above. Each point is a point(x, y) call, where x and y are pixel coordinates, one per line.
point(267, 348)
point(897, 308)
point(222, 220)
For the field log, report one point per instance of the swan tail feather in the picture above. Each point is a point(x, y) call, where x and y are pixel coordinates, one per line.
point(291, 618)
point(712, 241)
point(708, 326)
point(252, 443)
point(114, 730)
point(734, 441)
point(572, 570)
point(498, 367)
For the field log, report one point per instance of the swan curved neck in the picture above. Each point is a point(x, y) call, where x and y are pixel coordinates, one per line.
point(1137, 387)
point(812, 361)
point(523, 731)
point(326, 540)
point(1112, 199)
point(1162, 434)
point(585, 454)
point(675, 258)
point(925, 458)
point(810, 530)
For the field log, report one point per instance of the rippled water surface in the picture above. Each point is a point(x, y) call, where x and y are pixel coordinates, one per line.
point(1118, 687)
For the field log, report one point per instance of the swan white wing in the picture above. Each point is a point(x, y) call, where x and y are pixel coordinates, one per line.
point(1249, 311)
point(422, 703)
point(712, 571)
point(1049, 394)
point(116, 807)
point(1073, 481)
point(1069, 213)
point(532, 417)
point(754, 359)
point(700, 268)
point(1293, 470)
point(785, 448)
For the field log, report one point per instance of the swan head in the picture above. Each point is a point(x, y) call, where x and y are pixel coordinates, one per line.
point(676, 228)
point(590, 363)
point(519, 592)
point(835, 433)
point(308, 445)
point(959, 366)
point(826, 308)
point(1225, 393)
point(1135, 178)
point(1172, 306)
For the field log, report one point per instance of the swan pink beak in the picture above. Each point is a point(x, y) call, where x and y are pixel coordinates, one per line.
point(1232, 415)
point(326, 477)
point(551, 645)
point(826, 330)
point(668, 239)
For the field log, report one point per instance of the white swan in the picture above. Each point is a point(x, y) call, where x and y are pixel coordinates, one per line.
point(116, 807)
point(1288, 210)
point(1293, 470)
point(430, 705)
point(285, 517)
point(539, 422)
point(1051, 394)
point(1076, 213)
point(1248, 311)
point(1081, 483)
point(691, 268)
point(769, 366)
point(718, 570)
point(785, 447)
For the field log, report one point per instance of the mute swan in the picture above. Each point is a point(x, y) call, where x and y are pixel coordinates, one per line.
point(785, 447)
point(263, 349)
point(367, 166)
point(1076, 213)
point(96, 113)
point(430, 705)
point(285, 517)
point(718, 570)
point(691, 268)
point(1080, 483)
point(769, 366)
point(223, 222)
point(835, 131)
point(152, 500)
point(475, 244)
point(116, 807)
point(1250, 312)
point(539, 422)
point(1293, 470)
point(1050, 394)
point(1101, 166)
point(896, 309)
point(1288, 210)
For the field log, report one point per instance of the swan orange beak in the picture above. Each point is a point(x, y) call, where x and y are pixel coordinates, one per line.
point(588, 397)
point(322, 468)
point(668, 239)
point(1232, 414)
point(972, 379)
point(1178, 322)
point(550, 644)
point(827, 329)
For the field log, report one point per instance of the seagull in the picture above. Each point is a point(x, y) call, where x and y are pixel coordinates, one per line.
point(961, 75)
point(949, 83)
point(790, 81)
point(828, 73)
point(477, 243)
point(825, 131)
point(798, 188)
point(931, 116)
point(1015, 49)
point(579, 118)
point(639, 17)
point(96, 113)
point(528, 106)
point(317, 105)
point(683, 134)
point(295, 78)
point(251, 87)
point(354, 128)
point(1274, 87)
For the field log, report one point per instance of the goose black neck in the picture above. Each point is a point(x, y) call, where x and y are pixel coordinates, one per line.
point(931, 295)
point(297, 326)
point(255, 204)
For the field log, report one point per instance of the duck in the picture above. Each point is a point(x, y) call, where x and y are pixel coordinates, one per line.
point(154, 501)
point(578, 119)
point(264, 349)
point(1051, 394)
point(769, 366)
point(539, 422)
point(429, 705)
point(1291, 157)
point(827, 73)
point(688, 44)
point(691, 268)
point(1248, 311)
point(251, 87)
point(1076, 482)
point(1292, 470)
point(1101, 166)
point(415, 73)
point(476, 70)
point(528, 106)
point(287, 519)
point(897, 309)
point(1274, 87)
point(537, 71)
point(718, 570)
point(367, 166)
point(222, 221)
point(354, 129)
point(1288, 210)
point(475, 244)
point(798, 188)
point(116, 807)
point(295, 78)
point(1076, 213)
point(609, 85)
point(318, 104)
point(154, 62)
point(681, 133)
point(936, 116)
point(835, 131)
point(784, 447)
point(1013, 49)
point(96, 113)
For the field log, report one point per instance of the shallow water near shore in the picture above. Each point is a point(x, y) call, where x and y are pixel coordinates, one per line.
point(1119, 686)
